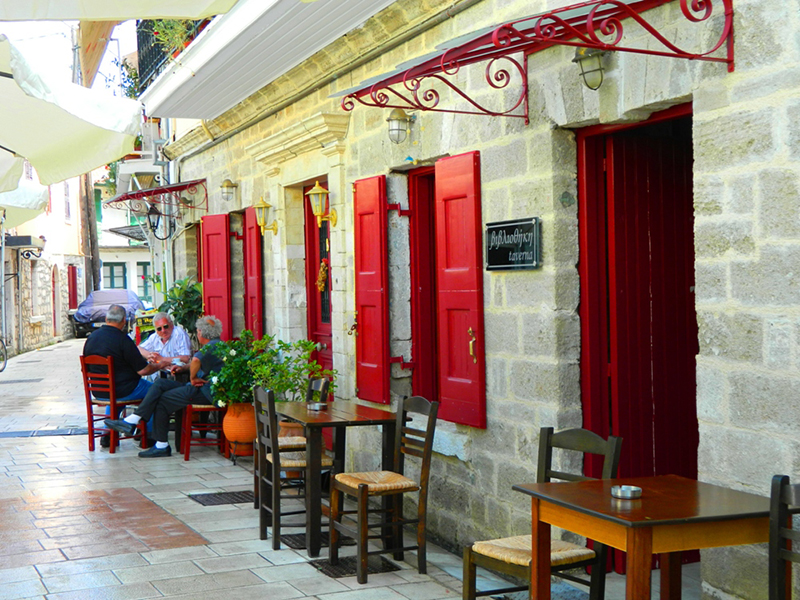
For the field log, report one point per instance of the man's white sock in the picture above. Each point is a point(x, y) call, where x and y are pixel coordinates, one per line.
point(161, 445)
point(133, 419)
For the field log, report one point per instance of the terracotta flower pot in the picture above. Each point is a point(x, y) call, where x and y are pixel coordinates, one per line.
point(239, 424)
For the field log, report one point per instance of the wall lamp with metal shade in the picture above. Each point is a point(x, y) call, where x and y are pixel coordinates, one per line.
point(590, 61)
point(399, 125)
point(228, 190)
point(263, 212)
point(154, 220)
point(320, 205)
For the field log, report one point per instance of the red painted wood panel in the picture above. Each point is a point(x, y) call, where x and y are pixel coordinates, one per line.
point(72, 285)
point(372, 285)
point(319, 310)
point(253, 275)
point(459, 284)
point(216, 264)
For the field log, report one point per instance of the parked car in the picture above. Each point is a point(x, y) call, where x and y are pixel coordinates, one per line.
point(91, 313)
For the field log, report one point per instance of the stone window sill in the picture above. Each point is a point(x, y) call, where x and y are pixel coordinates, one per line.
point(37, 319)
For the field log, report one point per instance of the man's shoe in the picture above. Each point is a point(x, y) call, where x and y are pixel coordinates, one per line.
point(121, 426)
point(105, 441)
point(155, 452)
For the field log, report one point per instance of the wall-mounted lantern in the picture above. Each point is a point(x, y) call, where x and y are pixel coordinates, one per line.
point(320, 206)
point(228, 190)
point(263, 213)
point(399, 125)
point(590, 61)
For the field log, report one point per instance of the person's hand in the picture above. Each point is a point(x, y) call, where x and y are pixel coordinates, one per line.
point(178, 369)
point(198, 382)
point(154, 358)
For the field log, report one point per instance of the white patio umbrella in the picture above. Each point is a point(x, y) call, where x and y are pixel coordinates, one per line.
point(110, 10)
point(63, 129)
point(24, 203)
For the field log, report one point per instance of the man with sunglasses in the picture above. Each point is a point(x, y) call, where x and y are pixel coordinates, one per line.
point(169, 345)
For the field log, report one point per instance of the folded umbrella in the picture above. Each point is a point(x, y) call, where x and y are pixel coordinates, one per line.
point(63, 129)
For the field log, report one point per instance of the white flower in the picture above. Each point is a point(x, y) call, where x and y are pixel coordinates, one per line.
point(214, 379)
point(233, 352)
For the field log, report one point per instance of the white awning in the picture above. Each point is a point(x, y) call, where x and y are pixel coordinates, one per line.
point(63, 129)
point(24, 203)
point(110, 10)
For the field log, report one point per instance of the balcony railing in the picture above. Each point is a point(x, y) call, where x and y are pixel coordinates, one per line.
point(153, 58)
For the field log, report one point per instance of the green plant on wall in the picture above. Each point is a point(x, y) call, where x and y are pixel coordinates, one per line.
point(170, 34)
point(130, 78)
point(184, 301)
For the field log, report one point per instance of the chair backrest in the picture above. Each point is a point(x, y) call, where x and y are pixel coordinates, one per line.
point(266, 422)
point(320, 385)
point(784, 502)
point(578, 440)
point(415, 442)
point(100, 378)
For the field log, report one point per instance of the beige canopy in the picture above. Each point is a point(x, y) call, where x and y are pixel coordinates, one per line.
point(110, 10)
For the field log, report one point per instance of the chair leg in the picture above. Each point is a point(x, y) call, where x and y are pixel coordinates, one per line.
point(397, 529)
point(422, 541)
point(334, 518)
point(265, 500)
point(468, 590)
point(186, 431)
point(113, 438)
point(143, 430)
point(256, 473)
point(275, 489)
point(362, 549)
point(597, 585)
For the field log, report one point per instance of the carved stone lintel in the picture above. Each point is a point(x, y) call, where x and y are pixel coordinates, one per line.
point(314, 133)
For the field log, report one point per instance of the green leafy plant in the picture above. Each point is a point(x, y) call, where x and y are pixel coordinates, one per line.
point(130, 78)
point(233, 384)
point(170, 34)
point(185, 303)
point(285, 368)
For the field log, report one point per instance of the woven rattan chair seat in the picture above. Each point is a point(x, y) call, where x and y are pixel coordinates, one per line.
point(517, 550)
point(104, 402)
point(297, 460)
point(294, 441)
point(378, 481)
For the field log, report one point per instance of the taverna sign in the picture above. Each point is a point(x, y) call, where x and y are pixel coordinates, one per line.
point(513, 245)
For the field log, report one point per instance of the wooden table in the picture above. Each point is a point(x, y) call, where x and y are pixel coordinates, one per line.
point(340, 415)
point(674, 514)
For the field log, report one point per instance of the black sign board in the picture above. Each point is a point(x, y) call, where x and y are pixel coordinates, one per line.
point(513, 245)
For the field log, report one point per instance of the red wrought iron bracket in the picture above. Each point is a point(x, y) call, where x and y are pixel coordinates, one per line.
point(403, 212)
point(180, 196)
point(593, 24)
point(400, 361)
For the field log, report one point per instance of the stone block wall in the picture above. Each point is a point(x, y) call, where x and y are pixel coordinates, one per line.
point(746, 139)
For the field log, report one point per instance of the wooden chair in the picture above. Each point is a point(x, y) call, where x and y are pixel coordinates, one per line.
point(784, 503)
point(201, 426)
point(512, 556)
point(392, 484)
point(297, 442)
point(103, 382)
point(274, 464)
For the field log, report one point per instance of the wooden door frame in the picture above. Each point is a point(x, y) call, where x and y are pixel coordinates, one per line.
point(592, 268)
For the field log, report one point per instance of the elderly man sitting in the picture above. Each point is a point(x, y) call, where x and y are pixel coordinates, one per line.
point(170, 343)
point(166, 396)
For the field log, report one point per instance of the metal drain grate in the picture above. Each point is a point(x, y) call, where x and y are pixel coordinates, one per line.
point(218, 498)
point(297, 541)
point(347, 566)
point(44, 432)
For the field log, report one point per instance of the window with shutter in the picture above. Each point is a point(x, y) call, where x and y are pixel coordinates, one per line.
point(253, 294)
point(216, 265)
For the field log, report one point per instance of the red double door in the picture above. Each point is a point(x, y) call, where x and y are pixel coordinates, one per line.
point(638, 318)
point(215, 270)
point(447, 332)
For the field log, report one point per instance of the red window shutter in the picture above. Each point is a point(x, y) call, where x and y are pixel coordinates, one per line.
point(253, 296)
point(459, 283)
point(72, 286)
point(372, 285)
point(217, 270)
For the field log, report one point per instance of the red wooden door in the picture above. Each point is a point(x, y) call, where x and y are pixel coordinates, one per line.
point(638, 320)
point(318, 285)
point(253, 294)
point(372, 298)
point(216, 265)
point(459, 285)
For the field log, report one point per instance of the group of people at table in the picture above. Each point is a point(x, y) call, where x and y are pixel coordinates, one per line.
point(137, 371)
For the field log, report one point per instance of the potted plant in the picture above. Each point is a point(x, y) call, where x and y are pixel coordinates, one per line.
point(184, 301)
point(232, 387)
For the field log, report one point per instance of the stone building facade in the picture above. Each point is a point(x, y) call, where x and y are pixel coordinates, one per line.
point(745, 146)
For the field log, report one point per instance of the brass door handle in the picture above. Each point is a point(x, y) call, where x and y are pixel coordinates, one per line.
point(354, 327)
point(472, 345)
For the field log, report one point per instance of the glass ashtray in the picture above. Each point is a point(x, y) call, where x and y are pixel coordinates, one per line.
point(626, 492)
point(317, 406)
